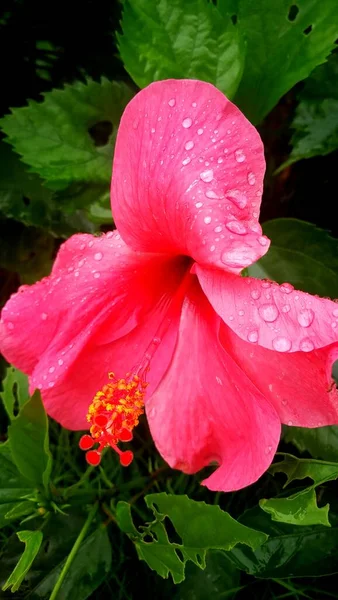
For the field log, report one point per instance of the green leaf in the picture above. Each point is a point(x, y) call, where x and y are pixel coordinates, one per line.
point(20, 509)
point(302, 254)
point(89, 568)
point(280, 51)
point(300, 468)
point(173, 39)
point(70, 136)
point(200, 526)
point(316, 120)
point(29, 442)
point(320, 442)
point(299, 509)
point(15, 390)
point(290, 551)
point(13, 487)
point(32, 541)
point(219, 580)
point(23, 197)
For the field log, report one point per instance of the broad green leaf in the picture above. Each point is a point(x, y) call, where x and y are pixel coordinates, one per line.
point(165, 39)
point(300, 468)
point(299, 509)
point(15, 391)
point(89, 568)
point(302, 254)
point(219, 580)
point(281, 49)
point(13, 487)
point(29, 442)
point(201, 527)
point(20, 509)
point(23, 197)
point(316, 120)
point(32, 541)
point(290, 551)
point(320, 442)
point(70, 136)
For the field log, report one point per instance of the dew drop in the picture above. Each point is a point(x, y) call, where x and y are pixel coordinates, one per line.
point(218, 229)
point(135, 123)
point(109, 235)
point(186, 123)
point(240, 156)
point(255, 294)
point(268, 312)
point(212, 248)
point(241, 313)
point(281, 344)
point(199, 131)
point(44, 316)
point(333, 324)
point(305, 317)
point(286, 308)
point(207, 220)
point(237, 198)
point(60, 362)
point(10, 325)
point(207, 175)
point(189, 145)
point(335, 312)
point(286, 288)
point(306, 345)
point(263, 240)
point(239, 257)
point(186, 161)
point(268, 449)
point(236, 227)
point(199, 204)
point(172, 102)
point(290, 423)
point(51, 370)
point(220, 160)
point(98, 256)
point(90, 244)
point(97, 275)
point(251, 179)
point(253, 336)
point(211, 194)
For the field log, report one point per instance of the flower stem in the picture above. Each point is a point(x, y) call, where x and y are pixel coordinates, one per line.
point(74, 551)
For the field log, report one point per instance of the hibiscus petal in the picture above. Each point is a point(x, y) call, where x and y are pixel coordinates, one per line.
point(298, 384)
point(188, 176)
point(271, 315)
point(206, 409)
point(95, 281)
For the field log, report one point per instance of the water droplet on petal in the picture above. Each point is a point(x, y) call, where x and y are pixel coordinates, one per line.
point(218, 229)
point(255, 294)
point(240, 156)
point(207, 220)
point(212, 248)
point(98, 256)
point(97, 275)
point(207, 175)
point(305, 317)
point(306, 345)
point(236, 227)
point(237, 198)
point(263, 240)
point(51, 369)
point(60, 362)
point(186, 161)
point(268, 449)
point(10, 325)
point(286, 308)
point(172, 102)
point(186, 123)
point(335, 312)
point(199, 204)
point(135, 123)
point(253, 336)
point(199, 131)
point(241, 313)
point(251, 179)
point(189, 145)
point(211, 194)
point(281, 344)
point(44, 316)
point(286, 288)
point(238, 258)
point(333, 324)
point(268, 312)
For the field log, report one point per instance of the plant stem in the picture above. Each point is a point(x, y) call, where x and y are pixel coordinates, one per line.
point(74, 551)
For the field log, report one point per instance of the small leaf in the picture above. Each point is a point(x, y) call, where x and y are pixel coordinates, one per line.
point(13, 487)
point(32, 541)
point(298, 509)
point(301, 254)
point(300, 468)
point(200, 526)
point(281, 50)
point(20, 509)
point(29, 445)
point(316, 120)
point(15, 390)
point(173, 39)
point(69, 136)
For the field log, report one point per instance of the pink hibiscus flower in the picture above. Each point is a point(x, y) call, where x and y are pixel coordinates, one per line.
point(227, 359)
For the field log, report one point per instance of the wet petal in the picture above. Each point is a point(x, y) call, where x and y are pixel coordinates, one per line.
point(188, 176)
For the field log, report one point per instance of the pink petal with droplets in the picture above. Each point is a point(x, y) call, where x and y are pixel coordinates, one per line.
point(205, 408)
point(188, 176)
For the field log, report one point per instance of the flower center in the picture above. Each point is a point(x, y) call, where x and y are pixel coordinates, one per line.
point(112, 415)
